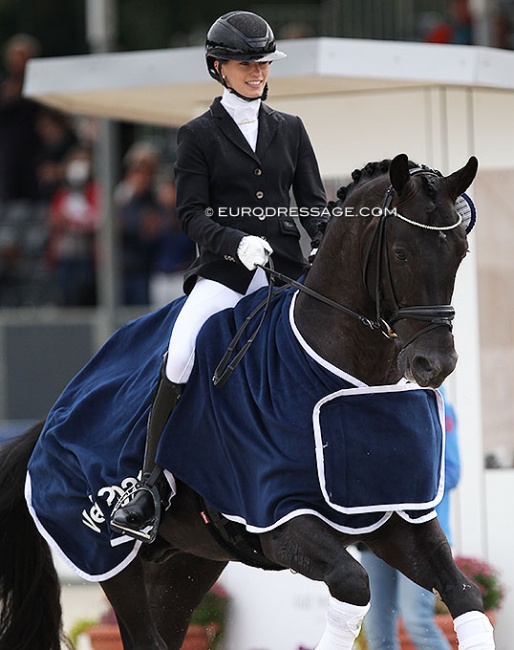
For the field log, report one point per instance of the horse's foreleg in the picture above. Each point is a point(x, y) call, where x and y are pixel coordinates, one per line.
point(175, 588)
point(127, 594)
point(422, 553)
point(312, 548)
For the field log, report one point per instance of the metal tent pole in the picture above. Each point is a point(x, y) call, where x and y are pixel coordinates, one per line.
point(101, 19)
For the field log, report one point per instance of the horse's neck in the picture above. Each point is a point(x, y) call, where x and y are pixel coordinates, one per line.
point(346, 343)
point(336, 336)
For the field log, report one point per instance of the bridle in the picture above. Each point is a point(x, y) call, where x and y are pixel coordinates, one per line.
point(435, 315)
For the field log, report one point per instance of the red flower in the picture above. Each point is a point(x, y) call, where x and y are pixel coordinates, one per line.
point(486, 578)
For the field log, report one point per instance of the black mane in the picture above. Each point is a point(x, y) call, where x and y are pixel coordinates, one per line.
point(369, 171)
point(372, 169)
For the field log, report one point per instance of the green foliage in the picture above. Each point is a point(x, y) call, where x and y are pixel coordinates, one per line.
point(80, 626)
point(212, 613)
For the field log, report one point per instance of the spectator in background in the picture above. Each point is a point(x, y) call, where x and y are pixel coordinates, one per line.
point(504, 24)
point(394, 595)
point(296, 29)
point(74, 215)
point(19, 141)
point(174, 253)
point(58, 138)
point(458, 29)
point(139, 221)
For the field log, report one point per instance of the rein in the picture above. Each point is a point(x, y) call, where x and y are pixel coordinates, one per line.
point(435, 315)
point(224, 369)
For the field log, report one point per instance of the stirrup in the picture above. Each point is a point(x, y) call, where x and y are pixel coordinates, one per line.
point(149, 532)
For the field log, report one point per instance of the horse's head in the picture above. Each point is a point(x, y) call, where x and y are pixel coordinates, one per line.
point(389, 259)
point(416, 249)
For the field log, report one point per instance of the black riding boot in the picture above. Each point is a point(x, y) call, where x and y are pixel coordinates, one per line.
point(138, 513)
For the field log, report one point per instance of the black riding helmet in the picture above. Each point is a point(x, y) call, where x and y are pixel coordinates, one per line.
point(239, 36)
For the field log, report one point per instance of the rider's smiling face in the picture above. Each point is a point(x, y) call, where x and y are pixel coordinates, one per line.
point(248, 78)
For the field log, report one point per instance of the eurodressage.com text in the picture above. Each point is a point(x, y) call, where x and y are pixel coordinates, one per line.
point(270, 212)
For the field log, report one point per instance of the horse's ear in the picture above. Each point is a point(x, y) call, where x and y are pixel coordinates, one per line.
point(459, 181)
point(399, 172)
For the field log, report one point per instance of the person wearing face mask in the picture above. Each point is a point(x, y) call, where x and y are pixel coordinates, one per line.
point(73, 221)
point(236, 165)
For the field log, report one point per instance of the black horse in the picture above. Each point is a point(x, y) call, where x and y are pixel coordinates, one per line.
point(376, 304)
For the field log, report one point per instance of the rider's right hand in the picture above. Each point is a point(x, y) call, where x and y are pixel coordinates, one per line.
point(253, 251)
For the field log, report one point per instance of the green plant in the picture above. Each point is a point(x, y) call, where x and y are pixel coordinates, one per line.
point(486, 577)
point(212, 613)
point(80, 626)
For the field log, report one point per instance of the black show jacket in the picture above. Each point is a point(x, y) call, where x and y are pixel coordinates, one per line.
point(218, 176)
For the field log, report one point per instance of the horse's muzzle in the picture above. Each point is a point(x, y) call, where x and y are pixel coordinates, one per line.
point(428, 367)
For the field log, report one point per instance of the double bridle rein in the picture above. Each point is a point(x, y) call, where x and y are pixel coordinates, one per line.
point(434, 315)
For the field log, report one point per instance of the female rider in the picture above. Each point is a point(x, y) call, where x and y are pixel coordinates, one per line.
point(236, 165)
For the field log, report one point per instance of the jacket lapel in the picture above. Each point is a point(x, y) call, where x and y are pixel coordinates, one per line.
point(268, 125)
point(230, 128)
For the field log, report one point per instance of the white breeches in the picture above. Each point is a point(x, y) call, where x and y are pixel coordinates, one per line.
point(207, 298)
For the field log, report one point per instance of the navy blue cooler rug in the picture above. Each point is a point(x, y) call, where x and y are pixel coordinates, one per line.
point(287, 434)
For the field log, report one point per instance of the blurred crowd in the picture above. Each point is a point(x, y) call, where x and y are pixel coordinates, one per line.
point(459, 26)
point(50, 206)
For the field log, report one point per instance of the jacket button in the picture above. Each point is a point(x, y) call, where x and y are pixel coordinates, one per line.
point(257, 171)
point(259, 194)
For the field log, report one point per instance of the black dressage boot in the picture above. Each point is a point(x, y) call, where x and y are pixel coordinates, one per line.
point(138, 512)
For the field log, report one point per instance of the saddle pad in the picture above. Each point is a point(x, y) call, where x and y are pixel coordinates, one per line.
point(381, 455)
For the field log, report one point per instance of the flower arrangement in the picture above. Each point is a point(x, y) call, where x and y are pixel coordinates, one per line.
point(206, 627)
point(486, 577)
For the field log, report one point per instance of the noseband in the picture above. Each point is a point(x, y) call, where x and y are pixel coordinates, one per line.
point(434, 315)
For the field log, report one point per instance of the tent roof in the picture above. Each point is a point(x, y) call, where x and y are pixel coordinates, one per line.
point(170, 86)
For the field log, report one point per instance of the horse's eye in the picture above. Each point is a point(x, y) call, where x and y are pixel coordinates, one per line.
point(400, 255)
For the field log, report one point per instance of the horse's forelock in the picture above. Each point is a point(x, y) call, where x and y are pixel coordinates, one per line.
point(430, 185)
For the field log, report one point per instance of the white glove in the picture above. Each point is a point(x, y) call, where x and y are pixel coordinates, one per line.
point(253, 250)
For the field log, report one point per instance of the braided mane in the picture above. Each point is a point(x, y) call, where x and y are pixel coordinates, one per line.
point(373, 169)
point(368, 172)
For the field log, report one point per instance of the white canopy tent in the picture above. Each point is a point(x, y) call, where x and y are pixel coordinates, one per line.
point(169, 86)
point(361, 101)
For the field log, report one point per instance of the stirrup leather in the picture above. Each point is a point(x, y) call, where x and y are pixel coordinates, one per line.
point(149, 532)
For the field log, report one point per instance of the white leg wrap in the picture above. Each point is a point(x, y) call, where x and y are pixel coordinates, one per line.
point(474, 631)
point(344, 622)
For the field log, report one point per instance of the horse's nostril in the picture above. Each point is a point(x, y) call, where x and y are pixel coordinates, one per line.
point(422, 366)
point(423, 371)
